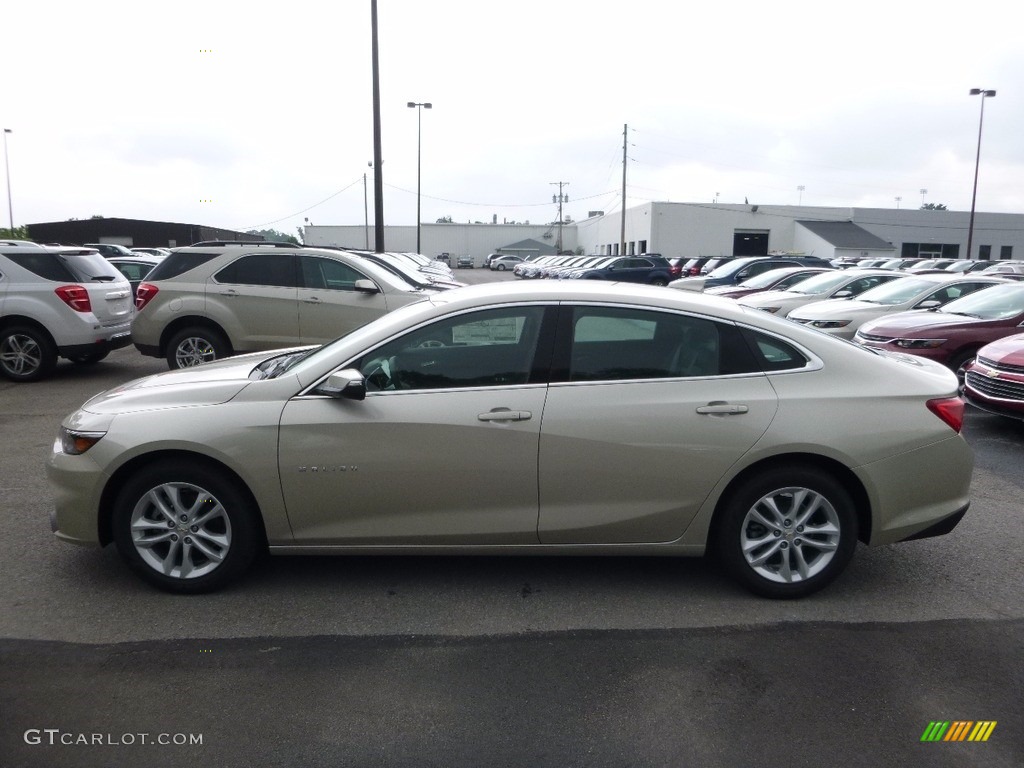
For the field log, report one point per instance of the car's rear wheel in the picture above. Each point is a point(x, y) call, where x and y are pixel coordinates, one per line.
point(26, 353)
point(185, 528)
point(195, 346)
point(659, 281)
point(787, 532)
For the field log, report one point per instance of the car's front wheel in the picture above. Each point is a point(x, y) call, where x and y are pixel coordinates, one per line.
point(195, 346)
point(787, 532)
point(185, 528)
point(26, 354)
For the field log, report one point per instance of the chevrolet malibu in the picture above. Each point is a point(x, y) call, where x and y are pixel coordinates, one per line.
point(523, 419)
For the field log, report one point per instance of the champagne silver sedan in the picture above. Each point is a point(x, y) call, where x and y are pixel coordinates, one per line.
point(529, 418)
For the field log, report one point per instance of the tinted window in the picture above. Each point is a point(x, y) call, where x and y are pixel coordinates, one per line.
point(133, 270)
point(178, 264)
point(260, 269)
point(612, 343)
point(773, 354)
point(490, 348)
point(329, 274)
point(45, 265)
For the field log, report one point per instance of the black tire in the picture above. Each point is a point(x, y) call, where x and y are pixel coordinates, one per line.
point(203, 547)
point(659, 281)
point(501, 267)
point(91, 359)
point(194, 346)
point(26, 353)
point(768, 569)
point(958, 362)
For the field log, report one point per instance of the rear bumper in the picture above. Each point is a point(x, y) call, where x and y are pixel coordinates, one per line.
point(942, 527)
point(117, 341)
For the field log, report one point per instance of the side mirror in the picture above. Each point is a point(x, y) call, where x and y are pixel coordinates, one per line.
point(842, 294)
point(930, 304)
point(348, 384)
point(366, 286)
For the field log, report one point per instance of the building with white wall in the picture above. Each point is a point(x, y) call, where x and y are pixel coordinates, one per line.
point(695, 229)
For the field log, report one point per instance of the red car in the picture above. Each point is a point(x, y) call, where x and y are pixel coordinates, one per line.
point(774, 280)
point(994, 380)
point(953, 333)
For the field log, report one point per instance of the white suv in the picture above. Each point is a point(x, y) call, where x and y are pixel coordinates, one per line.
point(212, 300)
point(59, 302)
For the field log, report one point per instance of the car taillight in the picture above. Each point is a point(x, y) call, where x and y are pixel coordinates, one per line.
point(950, 410)
point(675, 271)
point(75, 296)
point(144, 294)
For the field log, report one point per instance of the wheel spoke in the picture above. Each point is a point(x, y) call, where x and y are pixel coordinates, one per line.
point(765, 556)
point(805, 514)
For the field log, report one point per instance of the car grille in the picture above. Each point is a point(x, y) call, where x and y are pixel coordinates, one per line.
point(1004, 367)
point(1000, 389)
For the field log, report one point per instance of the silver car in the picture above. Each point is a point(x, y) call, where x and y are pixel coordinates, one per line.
point(59, 302)
point(209, 301)
point(633, 419)
point(844, 317)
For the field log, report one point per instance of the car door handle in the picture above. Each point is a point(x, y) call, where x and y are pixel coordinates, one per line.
point(505, 414)
point(721, 409)
point(312, 300)
point(229, 293)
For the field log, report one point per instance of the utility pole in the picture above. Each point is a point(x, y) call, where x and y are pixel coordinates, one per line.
point(622, 232)
point(378, 177)
point(559, 198)
point(366, 215)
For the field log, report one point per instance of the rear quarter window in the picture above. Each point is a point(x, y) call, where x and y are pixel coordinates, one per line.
point(178, 264)
point(774, 354)
point(44, 265)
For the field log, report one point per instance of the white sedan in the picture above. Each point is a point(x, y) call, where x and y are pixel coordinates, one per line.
point(843, 318)
point(551, 417)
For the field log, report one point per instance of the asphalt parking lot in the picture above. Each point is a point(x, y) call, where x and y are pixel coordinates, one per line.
point(488, 661)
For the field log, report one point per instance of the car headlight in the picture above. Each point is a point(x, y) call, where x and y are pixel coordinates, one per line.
point(919, 343)
point(76, 442)
point(830, 323)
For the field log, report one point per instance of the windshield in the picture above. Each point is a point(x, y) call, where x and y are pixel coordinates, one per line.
point(826, 281)
point(897, 291)
point(766, 279)
point(90, 266)
point(729, 268)
point(996, 303)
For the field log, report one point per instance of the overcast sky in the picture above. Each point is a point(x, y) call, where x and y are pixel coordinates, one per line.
point(259, 114)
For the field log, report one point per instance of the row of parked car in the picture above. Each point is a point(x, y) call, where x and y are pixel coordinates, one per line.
point(198, 303)
point(967, 319)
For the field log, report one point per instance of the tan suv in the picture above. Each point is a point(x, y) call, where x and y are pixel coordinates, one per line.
point(212, 300)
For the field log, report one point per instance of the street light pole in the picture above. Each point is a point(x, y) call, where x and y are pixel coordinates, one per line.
point(419, 106)
point(977, 161)
point(7, 166)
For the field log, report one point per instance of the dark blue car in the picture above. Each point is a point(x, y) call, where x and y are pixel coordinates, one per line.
point(653, 270)
point(736, 271)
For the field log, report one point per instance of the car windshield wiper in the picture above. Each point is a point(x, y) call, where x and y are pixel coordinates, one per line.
point(965, 314)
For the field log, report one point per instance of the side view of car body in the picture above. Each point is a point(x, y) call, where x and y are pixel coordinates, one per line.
point(651, 270)
point(59, 302)
point(210, 301)
point(635, 420)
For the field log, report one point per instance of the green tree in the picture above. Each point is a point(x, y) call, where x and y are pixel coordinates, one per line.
point(18, 233)
point(933, 207)
point(274, 236)
point(444, 220)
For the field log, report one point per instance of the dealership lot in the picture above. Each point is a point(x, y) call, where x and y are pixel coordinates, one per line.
point(506, 661)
